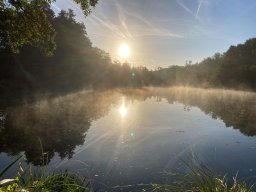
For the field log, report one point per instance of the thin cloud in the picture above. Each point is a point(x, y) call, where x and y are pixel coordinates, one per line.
point(122, 21)
point(154, 32)
point(140, 27)
point(113, 28)
point(145, 29)
point(198, 8)
point(139, 18)
point(189, 11)
point(181, 4)
point(200, 3)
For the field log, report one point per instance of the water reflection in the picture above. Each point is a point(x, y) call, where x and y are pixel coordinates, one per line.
point(62, 123)
point(123, 109)
point(236, 109)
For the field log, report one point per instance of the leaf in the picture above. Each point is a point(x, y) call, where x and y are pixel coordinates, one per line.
point(11, 164)
point(5, 181)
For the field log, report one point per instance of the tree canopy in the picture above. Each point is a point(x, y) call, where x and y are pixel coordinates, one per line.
point(28, 22)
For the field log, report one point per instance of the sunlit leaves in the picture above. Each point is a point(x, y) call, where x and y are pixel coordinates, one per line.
point(29, 22)
point(26, 23)
point(86, 4)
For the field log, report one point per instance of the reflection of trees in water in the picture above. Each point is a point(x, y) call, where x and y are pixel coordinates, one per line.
point(60, 123)
point(235, 108)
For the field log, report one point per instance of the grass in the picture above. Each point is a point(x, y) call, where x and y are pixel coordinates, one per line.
point(58, 182)
point(55, 182)
point(27, 181)
point(201, 179)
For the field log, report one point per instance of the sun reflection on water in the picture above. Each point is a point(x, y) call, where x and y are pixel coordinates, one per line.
point(123, 110)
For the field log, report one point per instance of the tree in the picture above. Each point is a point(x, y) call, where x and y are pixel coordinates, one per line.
point(28, 22)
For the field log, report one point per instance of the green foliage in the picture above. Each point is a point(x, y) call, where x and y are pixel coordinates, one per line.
point(86, 4)
point(59, 182)
point(29, 22)
point(201, 179)
point(39, 181)
point(48, 183)
point(26, 23)
point(10, 188)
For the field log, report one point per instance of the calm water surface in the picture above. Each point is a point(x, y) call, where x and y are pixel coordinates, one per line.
point(123, 140)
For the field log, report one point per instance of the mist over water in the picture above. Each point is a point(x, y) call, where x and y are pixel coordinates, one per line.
point(127, 138)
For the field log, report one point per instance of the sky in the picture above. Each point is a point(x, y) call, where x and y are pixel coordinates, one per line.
point(161, 33)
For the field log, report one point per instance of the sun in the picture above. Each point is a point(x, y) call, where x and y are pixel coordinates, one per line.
point(124, 51)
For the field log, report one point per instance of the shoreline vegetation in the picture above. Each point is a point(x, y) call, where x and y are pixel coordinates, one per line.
point(199, 179)
point(27, 180)
point(76, 65)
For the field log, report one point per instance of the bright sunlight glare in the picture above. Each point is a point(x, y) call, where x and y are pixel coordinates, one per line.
point(124, 51)
point(123, 110)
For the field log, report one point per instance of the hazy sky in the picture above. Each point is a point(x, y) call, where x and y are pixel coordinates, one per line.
point(168, 32)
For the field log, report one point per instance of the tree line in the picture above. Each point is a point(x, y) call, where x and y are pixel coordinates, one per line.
point(235, 68)
point(75, 64)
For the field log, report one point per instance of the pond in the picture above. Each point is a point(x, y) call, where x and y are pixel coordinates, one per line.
point(124, 140)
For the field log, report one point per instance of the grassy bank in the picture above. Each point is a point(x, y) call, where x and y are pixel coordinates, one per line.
point(199, 179)
point(54, 182)
point(40, 181)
